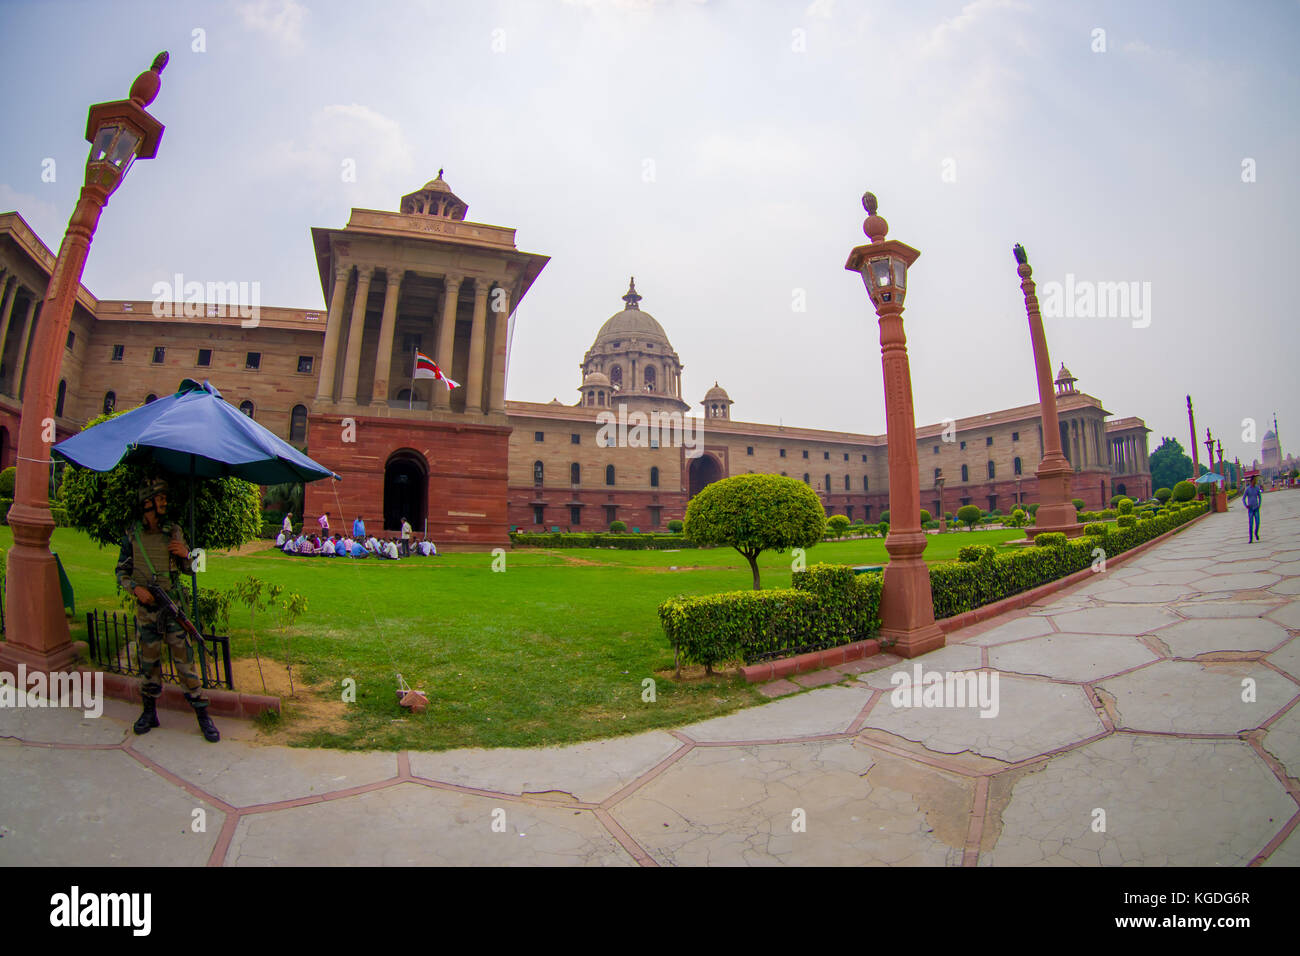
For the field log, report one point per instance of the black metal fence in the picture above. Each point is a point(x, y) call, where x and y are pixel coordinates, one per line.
point(113, 645)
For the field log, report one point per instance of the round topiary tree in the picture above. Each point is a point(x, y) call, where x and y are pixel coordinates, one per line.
point(617, 527)
point(925, 516)
point(675, 526)
point(1125, 506)
point(883, 528)
point(1163, 494)
point(837, 525)
point(756, 513)
point(1019, 518)
point(1078, 503)
point(884, 517)
point(7, 478)
point(969, 515)
point(227, 511)
point(1184, 491)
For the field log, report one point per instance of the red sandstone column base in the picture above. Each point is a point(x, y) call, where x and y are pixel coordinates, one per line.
point(33, 596)
point(906, 605)
point(1055, 512)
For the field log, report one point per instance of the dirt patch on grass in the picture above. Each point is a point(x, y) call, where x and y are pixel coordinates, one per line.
point(311, 707)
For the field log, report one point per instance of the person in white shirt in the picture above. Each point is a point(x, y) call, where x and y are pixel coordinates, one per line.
point(288, 522)
point(327, 548)
point(279, 540)
point(291, 546)
point(372, 543)
point(406, 538)
point(390, 550)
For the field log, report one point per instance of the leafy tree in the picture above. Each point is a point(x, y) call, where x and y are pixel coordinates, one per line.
point(1169, 464)
point(756, 513)
point(884, 517)
point(1163, 494)
point(1078, 503)
point(1184, 491)
point(837, 525)
point(675, 526)
point(227, 511)
point(925, 516)
point(7, 479)
point(1019, 518)
point(617, 527)
point(969, 515)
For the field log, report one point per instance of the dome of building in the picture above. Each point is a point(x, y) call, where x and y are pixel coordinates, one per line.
point(595, 378)
point(631, 321)
point(434, 198)
point(1064, 375)
point(717, 393)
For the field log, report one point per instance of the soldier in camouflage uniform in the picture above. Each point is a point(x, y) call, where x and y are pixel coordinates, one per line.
point(152, 552)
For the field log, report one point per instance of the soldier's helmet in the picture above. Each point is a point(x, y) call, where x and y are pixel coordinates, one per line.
point(150, 488)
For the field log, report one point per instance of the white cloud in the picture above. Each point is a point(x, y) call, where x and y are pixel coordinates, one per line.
point(339, 133)
point(280, 20)
point(764, 154)
point(952, 29)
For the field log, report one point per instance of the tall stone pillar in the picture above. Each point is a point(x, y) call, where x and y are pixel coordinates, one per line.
point(20, 366)
point(447, 338)
point(333, 327)
point(356, 330)
point(384, 358)
point(477, 339)
point(500, 317)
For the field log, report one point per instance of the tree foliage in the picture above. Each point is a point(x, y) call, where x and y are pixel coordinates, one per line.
point(1184, 491)
point(1169, 464)
point(756, 513)
point(969, 515)
point(227, 511)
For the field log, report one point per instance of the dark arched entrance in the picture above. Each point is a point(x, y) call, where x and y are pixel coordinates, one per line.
point(406, 490)
point(705, 470)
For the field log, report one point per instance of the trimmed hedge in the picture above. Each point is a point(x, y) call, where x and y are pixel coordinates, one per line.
point(1096, 528)
point(976, 552)
point(1126, 521)
point(829, 605)
point(1050, 539)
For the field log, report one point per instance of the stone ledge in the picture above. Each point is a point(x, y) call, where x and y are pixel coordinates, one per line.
point(224, 703)
point(816, 660)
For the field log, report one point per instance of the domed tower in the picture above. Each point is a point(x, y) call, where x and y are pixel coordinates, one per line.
point(435, 198)
point(595, 390)
point(1065, 381)
point(632, 351)
point(717, 403)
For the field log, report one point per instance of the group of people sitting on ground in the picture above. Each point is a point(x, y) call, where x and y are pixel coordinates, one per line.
point(356, 545)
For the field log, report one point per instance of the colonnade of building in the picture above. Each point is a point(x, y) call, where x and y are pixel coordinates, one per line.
point(484, 382)
point(1128, 455)
point(20, 307)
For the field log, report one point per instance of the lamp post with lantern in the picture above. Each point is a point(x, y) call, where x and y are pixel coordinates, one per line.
point(37, 634)
point(906, 604)
point(1055, 511)
point(939, 481)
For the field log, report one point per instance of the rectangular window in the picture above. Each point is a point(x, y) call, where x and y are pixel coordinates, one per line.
point(963, 446)
point(539, 514)
point(936, 449)
point(655, 512)
point(205, 358)
point(575, 439)
point(654, 442)
point(159, 355)
point(118, 352)
point(846, 456)
point(749, 449)
point(782, 452)
point(988, 441)
point(304, 364)
point(539, 436)
point(253, 360)
point(72, 337)
point(826, 456)
point(1015, 436)
point(575, 514)
point(864, 457)
point(805, 452)
point(611, 514)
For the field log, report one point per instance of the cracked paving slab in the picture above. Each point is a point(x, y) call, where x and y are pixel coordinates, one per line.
point(589, 771)
point(1011, 631)
point(1191, 638)
point(1072, 657)
point(829, 710)
point(410, 824)
point(1226, 609)
point(954, 657)
point(1283, 741)
point(97, 808)
point(1033, 717)
point(1288, 657)
point(738, 806)
point(59, 725)
point(1167, 802)
point(1197, 697)
point(1288, 854)
point(1113, 620)
point(245, 774)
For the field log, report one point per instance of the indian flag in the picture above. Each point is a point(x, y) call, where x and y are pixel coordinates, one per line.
point(426, 367)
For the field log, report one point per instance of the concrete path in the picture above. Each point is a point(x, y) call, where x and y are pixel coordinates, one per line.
point(1148, 717)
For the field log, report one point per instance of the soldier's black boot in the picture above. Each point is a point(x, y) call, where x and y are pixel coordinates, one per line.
point(149, 718)
point(210, 732)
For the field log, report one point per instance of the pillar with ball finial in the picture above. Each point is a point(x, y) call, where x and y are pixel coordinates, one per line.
point(906, 604)
point(1056, 512)
point(36, 631)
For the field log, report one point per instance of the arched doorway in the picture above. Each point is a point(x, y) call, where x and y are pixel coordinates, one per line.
point(406, 490)
point(705, 470)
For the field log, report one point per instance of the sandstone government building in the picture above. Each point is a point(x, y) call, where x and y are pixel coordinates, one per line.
point(470, 465)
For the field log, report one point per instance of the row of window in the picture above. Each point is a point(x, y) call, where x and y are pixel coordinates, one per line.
point(575, 474)
point(988, 442)
point(297, 417)
point(252, 360)
point(826, 456)
point(965, 471)
point(611, 515)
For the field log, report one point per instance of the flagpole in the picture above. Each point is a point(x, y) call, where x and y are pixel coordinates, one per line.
point(410, 392)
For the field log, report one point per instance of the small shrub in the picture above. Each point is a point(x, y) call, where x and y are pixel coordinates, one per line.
point(1163, 494)
point(618, 527)
point(1096, 528)
point(1078, 503)
point(969, 515)
point(1051, 539)
point(883, 528)
point(1125, 506)
point(884, 517)
point(975, 552)
point(1033, 509)
point(1184, 491)
point(837, 525)
point(925, 516)
point(675, 526)
point(7, 478)
point(1126, 521)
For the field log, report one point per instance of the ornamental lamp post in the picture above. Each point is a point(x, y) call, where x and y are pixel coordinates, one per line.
point(1209, 449)
point(36, 631)
point(1196, 457)
point(1056, 511)
point(943, 509)
point(906, 604)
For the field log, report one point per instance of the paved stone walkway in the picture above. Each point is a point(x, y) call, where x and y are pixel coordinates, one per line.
point(1148, 717)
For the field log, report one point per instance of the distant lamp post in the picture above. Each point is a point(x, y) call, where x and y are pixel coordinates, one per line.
point(36, 631)
point(1209, 450)
point(1219, 448)
point(943, 509)
point(1196, 457)
point(1056, 511)
point(906, 605)
point(1019, 499)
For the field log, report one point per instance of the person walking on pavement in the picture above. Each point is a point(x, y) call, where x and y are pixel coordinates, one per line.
point(1253, 498)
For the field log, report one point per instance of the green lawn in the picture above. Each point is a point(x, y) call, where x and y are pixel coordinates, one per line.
point(552, 651)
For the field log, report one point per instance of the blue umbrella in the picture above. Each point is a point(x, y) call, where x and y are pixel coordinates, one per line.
point(194, 432)
point(1210, 478)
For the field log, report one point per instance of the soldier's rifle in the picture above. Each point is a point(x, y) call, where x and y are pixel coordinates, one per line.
point(165, 602)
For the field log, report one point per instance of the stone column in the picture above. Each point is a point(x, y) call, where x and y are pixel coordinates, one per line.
point(357, 328)
point(477, 339)
point(6, 310)
point(384, 359)
point(500, 317)
point(333, 327)
point(447, 338)
point(20, 363)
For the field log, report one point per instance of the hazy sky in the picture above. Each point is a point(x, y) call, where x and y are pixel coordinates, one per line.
point(718, 151)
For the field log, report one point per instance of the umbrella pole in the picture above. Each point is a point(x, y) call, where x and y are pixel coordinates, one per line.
point(194, 582)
